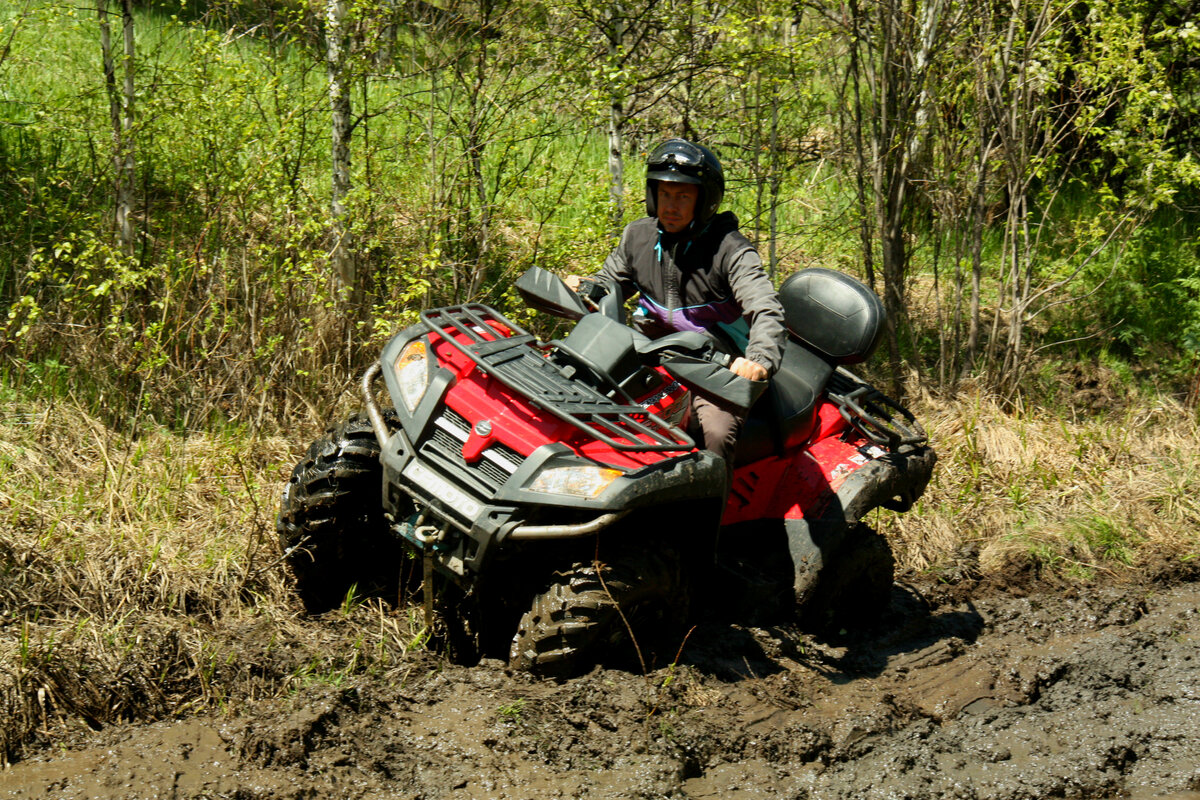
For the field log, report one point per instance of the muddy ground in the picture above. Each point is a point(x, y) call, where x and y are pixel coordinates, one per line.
point(958, 693)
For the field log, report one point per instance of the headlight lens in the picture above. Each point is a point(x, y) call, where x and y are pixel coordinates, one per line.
point(412, 372)
point(578, 481)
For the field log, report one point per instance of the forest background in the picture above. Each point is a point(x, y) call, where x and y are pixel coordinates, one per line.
point(213, 214)
point(225, 208)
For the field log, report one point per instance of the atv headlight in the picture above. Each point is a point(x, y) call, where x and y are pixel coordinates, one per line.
point(578, 481)
point(412, 373)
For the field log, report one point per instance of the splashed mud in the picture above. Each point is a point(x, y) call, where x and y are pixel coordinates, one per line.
point(1073, 694)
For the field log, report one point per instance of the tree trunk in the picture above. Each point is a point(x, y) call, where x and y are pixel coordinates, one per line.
point(616, 167)
point(979, 220)
point(342, 252)
point(750, 112)
point(899, 126)
point(616, 125)
point(125, 200)
point(889, 151)
point(120, 108)
point(895, 265)
point(857, 40)
point(476, 146)
point(479, 184)
point(774, 167)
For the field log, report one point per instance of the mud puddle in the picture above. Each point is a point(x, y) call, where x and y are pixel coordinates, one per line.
point(1090, 695)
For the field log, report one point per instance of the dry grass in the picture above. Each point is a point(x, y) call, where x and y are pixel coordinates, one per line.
point(140, 578)
point(1110, 495)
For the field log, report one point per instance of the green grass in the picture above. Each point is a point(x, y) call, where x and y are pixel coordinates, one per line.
point(512, 712)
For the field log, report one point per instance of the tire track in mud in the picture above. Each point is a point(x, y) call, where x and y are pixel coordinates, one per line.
point(1092, 694)
point(1090, 698)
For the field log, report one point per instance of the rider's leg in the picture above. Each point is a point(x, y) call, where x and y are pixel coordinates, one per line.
point(719, 429)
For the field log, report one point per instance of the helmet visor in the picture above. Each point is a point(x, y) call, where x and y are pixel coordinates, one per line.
point(679, 156)
point(676, 154)
point(672, 175)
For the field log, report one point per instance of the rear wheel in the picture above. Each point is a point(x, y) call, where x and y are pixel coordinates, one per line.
point(331, 524)
point(623, 612)
point(854, 588)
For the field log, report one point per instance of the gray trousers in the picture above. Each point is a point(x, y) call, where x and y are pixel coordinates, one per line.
point(718, 428)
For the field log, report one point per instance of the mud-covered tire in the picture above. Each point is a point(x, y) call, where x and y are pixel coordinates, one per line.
point(575, 623)
point(331, 524)
point(855, 587)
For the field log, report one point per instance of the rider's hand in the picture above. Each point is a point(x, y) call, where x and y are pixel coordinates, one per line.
point(586, 288)
point(751, 370)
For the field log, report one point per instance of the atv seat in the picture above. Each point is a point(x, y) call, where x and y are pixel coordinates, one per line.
point(832, 320)
point(786, 412)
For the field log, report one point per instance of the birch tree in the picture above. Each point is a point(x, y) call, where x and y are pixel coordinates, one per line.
point(623, 58)
point(121, 111)
point(770, 62)
point(341, 254)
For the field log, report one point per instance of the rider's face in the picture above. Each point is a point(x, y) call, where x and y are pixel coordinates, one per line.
point(676, 205)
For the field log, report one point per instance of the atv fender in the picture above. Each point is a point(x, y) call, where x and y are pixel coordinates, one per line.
point(894, 481)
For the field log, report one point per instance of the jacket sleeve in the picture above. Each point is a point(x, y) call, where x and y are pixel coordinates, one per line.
point(753, 291)
point(616, 267)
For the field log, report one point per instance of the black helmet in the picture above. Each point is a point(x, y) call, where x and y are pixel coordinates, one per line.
point(681, 161)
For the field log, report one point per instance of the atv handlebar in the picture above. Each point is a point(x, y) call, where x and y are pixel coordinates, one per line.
point(591, 289)
point(691, 356)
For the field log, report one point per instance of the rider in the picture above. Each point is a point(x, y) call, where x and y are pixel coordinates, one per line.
point(694, 271)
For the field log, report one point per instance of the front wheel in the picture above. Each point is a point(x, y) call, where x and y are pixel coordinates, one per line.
point(624, 611)
point(331, 525)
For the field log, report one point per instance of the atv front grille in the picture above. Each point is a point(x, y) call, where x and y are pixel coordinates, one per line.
point(443, 449)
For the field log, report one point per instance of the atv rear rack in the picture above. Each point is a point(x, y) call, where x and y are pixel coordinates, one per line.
point(519, 362)
point(872, 413)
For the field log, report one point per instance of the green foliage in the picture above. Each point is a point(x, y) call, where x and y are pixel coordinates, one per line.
point(512, 712)
point(1088, 545)
point(1108, 540)
point(1145, 296)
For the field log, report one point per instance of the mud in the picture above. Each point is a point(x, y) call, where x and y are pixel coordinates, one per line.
point(1067, 694)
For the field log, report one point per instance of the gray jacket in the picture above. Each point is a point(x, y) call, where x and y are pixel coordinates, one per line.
point(704, 281)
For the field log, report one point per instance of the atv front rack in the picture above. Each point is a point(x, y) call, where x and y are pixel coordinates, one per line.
point(519, 362)
point(872, 413)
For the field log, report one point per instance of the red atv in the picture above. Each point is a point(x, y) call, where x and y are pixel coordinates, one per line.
point(560, 510)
